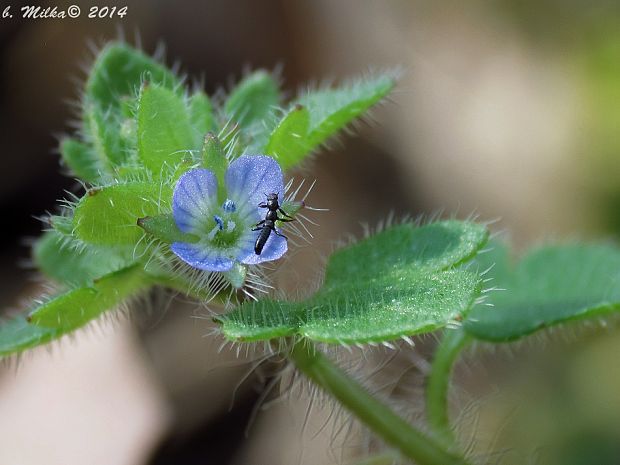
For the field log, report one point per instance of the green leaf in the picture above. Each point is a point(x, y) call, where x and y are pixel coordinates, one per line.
point(201, 114)
point(79, 159)
point(165, 134)
point(119, 71)
point(110, 93)
point(288, 143)
point(77, 307)
point(17, 335)
point(254, 98)
point(105, 135)
point(74, 264)
point(332, 109)
point(214, 159)
point(391, 306)
point(62, 224)
point(109, 215)
point(403, 281)
point(68, 311)
point(435, 246)
point(550, 285)
point(80, 301)
point(164, 228)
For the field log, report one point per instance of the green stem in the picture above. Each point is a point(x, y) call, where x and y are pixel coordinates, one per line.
point(438, 384)
point(395, 431)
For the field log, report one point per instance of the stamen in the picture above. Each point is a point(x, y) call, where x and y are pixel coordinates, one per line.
point(219, 222)
point(213, 232)
point(229, 206)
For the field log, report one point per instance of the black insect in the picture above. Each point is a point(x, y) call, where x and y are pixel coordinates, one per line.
point(268, 225)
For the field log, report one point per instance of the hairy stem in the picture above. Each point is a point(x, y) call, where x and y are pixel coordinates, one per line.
point(393, 429)
point(438, 384)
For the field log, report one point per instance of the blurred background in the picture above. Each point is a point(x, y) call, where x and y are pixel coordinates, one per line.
point(507, 109)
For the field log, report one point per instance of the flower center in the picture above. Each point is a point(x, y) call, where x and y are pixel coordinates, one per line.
point(224, 232)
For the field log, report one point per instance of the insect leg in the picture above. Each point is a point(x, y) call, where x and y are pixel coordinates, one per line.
point(279, 234)
point(284, 213)
point(258, 226)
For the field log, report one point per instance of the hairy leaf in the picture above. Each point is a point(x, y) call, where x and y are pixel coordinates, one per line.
point(109, 215)
point(288, 142)
point(332, 109)
point(69, 311)
point(17, 335)
point(105, 135)
point(164, 228)
point(165, 133)
point(73, 264)
point(403, 281)
point(119, 70)
point(435, 246)
point(548, 286)
point(62, 224)
point(253, 99)
point(214, 159)
point(78, 306)
point(80, 159)
point(201, 114)
point(110, 94)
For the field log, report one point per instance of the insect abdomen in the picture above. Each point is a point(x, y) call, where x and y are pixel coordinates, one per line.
point(262, 239)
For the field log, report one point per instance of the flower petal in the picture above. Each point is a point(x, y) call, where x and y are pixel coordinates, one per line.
point(194, 195)
point(275, 247)
point(202, 257)
point(249, 178)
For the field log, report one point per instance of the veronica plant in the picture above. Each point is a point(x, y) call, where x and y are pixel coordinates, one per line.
point(173, 183)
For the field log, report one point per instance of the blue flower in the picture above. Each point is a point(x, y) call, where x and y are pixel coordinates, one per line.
point(224, 225)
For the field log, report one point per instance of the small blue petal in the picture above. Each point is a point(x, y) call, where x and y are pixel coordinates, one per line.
point(250, 178)
point(219, 221)
point(193, 198)
point(275, 247)
point(202, 257)
point(229, 206)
